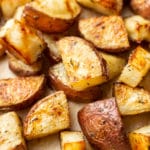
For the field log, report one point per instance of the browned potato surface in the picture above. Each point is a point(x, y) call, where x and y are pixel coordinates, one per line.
point(102, 125)
point(11, 132)
point(59, 80)
point(107, 33)
point(51, 16)
point(141, 7)
point(49, 115)
point(18, 93)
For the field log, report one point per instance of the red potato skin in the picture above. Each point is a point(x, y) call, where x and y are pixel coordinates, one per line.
point(45, 23)
point(102, 125)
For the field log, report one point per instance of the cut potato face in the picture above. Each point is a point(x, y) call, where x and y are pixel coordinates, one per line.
point(140, 138)
point(72, 140)
point(59, 80)
point(49, 115)
point(18, 93)
point(137, 67)
point(109, 7)
point(101, 123)
point(26, 44)
point(11, 132)
point(83, 65)
point(130, 100)
point(51, 15)
point(106, 32)
point(138, 28)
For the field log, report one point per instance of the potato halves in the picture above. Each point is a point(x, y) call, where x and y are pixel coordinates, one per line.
point(140, 138)
point(11, 132)
point(130, 100)
point(49, 115)
point(51, 16)
point(83, 65)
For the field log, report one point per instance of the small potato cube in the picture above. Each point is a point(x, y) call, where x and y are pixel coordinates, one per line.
point(130, 100)
point(138, 28)
point(71, 140)
point(109, 7)
point(83, 65)
point(140, 138)
point(49, 115)
point(11, 132)
point(137, 67)
point(106, 32)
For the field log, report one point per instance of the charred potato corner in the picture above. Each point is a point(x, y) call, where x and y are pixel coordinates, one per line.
point(74, 75)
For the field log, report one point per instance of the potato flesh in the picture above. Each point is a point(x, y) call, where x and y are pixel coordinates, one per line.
point(138, 28)
point(64, 9)
point(83, 66)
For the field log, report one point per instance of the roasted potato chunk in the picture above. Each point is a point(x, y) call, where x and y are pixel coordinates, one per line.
point(141, 7)
point(47, 116)
point(83, 65)
point(101, 123)
point(51, 16)
point(2, 48)
point(18, 93)
point(59, 80)
point(106, 32)
point(137, 67)
point(9, 7)
point(140, 138)
point(26, 45)
point(22, 69)
point(11, 132)
point(72, 140)
point(138, 28)
point(109, 7)
point(130, 100)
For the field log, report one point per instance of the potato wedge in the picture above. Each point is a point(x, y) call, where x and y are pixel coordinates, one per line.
point(141, 7)
point(84, 66)
point(11, 132)
point(137, 67)
point(72, 140)
point(59, 80)
point(138, 28)
point(130, 100)
point(101, 123)
point(106, 32)
point(18, 93)
point(140, 138)
point(51, 16)
point(109, 7)
point(26, 45)
point(9, 7)
point(22, 69)
point(49, 115)
point(2, 48)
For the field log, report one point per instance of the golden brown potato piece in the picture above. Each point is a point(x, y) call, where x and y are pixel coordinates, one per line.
point(140, 138)
point(72, 140)
point(2, 47)
point(11, 132)
point(130, 100)
point(51, 15)
point(84, 66)
point(26, 45)
point(49, 115)
point(138, 28)
point(18, 93)
point(141, 7)
point(22, 69)
point(59, 80)
point(102, 125)
point(106, 32)
point(107, 7)
point(9, 7)
point(137, 67)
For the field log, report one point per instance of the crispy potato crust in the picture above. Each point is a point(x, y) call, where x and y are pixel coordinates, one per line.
point(102, 125)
